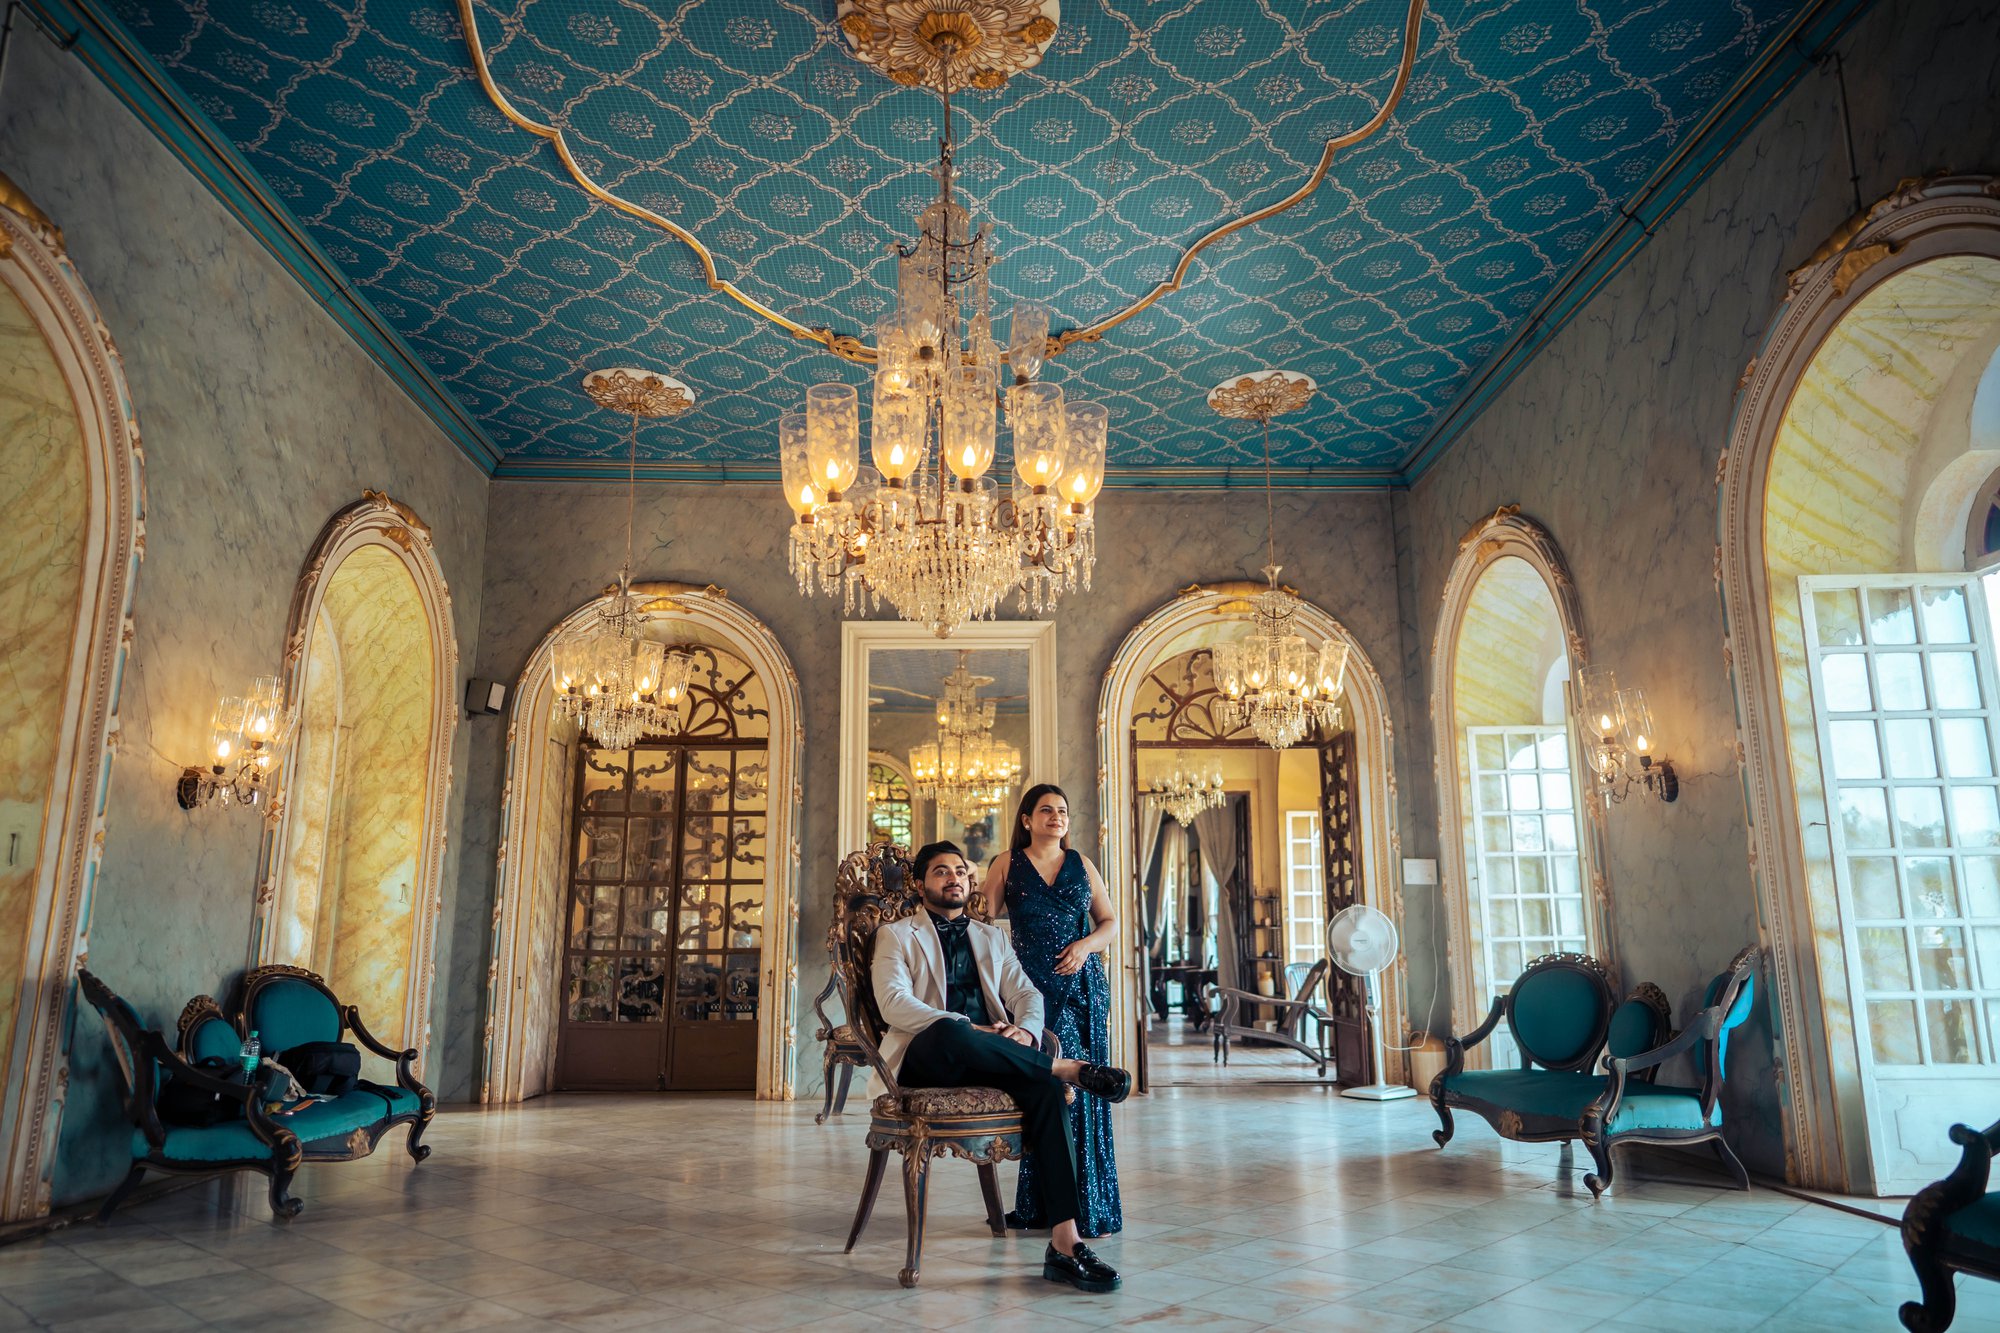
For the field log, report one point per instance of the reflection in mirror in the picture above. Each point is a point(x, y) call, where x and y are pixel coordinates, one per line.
point(947, 733)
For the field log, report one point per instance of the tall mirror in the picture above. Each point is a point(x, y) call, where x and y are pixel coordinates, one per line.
point(939, 739)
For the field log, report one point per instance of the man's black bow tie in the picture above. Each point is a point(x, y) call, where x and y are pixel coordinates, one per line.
point(950, 927)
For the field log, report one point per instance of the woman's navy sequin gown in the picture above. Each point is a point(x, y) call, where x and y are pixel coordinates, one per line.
point(1047, 918)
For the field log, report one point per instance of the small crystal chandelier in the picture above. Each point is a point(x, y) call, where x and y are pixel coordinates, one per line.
point(925, 529)
point(1188, 790)
point(1272, 680)
point(247, 739)
point(967, 771)
point(618, 685)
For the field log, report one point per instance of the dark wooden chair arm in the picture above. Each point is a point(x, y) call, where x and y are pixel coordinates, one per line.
point(826, 1023)
point(1706, 1026)
point(864, 1039)
point(406, 1075)
point(266, 1127)
point(1456, 1047)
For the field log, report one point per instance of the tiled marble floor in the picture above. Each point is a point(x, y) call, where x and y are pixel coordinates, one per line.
point(1249, 1207)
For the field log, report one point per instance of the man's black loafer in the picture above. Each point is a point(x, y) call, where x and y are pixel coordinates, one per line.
point(1082, 1270)
point(1113, 1085)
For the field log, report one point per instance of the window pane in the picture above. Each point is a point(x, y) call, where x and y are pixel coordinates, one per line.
point(740, 988)
point(1569, 915)
point(590, 992)
point(1838, 617)
point(1892, 1032)
point(1493, 832)
point(1556, 791)
point(1932, 893)
point(1855, 754)
point(1875, 896)
point(1527, 833)
point(648, 916)
point(1974, 817)
point(1489, 752)
point(1967, 753)
point(642, 990)
point(1941, 960)
point(744, 927)
point(1499, 876)
point(1943, 611)
point(753, 780)
point(1891, 618)
point(1957, 678)
point(1981, 877)
point(1553, 751)
point(1986, 944)
point(604, 779)
point(1909, 744)
point(1523, 792)
point(1492, 793)
point(698, 988)
point(1506, 963)
point(1534, 874)
point(746, 847)
point(1536, 920)
point(1864, 817)
point(1885, 965)
point(1561, 831)
point(1846, 678)
point(1920, 817)
point(1504, 918)
point(1568, 877)
point(649, 848)
point(1901, 678)
point(655, 780)
point(1520, 752)
point(1953, 1039)
point(600, 849)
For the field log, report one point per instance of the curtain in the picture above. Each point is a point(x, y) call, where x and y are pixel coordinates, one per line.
point(1217, 829)
point(1153, 875)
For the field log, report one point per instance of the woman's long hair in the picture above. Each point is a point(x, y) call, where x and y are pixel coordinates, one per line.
point(1029, 800)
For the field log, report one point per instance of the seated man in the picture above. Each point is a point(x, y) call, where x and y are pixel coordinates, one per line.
point(962, 1014)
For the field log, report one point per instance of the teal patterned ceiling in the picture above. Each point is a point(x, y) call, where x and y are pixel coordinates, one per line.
point(1526, 128)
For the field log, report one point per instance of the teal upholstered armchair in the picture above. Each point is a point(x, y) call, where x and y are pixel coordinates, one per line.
point(1953, 1226)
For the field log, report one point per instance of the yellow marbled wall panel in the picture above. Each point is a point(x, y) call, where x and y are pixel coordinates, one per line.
point(550, 844)
point(310, 797)
point(1840, 477)
point(365, 923)
point(42, 471)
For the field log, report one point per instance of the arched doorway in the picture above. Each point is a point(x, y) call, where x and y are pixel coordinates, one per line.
point(1521, 852)
point(69, 557)
point(1365, 818)
point(551, 982)
point(358, 851)
point(1862, 653)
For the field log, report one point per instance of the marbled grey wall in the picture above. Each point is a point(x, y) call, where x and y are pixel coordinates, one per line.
point(553, 546)
point(1611, 439)
point(260, 418)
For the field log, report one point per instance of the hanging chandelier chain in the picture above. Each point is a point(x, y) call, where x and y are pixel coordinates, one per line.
point(1270, 508)
point(631, 503)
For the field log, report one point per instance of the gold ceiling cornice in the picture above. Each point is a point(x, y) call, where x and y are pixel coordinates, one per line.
point(850, 347)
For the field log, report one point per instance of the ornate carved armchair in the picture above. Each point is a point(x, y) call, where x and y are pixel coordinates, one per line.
point(1228, 1003)
point(1953, 1226)
point(843, 1051)
point(980, 1125)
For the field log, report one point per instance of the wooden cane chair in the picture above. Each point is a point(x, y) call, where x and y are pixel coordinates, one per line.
point(980, 1125)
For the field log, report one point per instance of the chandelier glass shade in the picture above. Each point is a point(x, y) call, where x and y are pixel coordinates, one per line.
point(1187, 791)
point(926, 528)
point(1273, 680)
point(967, 771)
point(618, 685)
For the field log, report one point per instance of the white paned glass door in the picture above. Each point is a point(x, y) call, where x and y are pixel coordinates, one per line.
point(1305, 889)
point(1528, 876)
point(1903, 699)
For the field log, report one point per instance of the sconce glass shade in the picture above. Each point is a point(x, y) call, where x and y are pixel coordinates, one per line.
point(1332, 670)
point(225, 730)
point(1036, 413)
point(1087, 427)
point(266, 725)
point(1598, 702)
point(1027, 340)
point(833, 436)
point(800, 492)
point(969, 426)
point(1640, 738)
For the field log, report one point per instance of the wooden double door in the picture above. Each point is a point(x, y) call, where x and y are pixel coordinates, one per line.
point(663, 940)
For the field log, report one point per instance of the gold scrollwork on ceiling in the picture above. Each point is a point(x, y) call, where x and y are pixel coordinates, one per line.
point(632, 393)
point(850, 347)
point(955, 43)
point(1259, 398)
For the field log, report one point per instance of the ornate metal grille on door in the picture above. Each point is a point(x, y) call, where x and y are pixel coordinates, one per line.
point(663, 940)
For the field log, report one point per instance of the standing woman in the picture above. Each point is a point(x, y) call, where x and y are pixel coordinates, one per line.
point(1062, 921)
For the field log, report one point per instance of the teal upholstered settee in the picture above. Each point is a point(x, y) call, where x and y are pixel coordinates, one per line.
point(1953, 1226)
point(285, 1006)
point(1561, 1015)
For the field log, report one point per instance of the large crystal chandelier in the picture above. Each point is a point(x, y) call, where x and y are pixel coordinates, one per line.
point(926, 530)
point(968, 772)
point(1272, 680)
point(1187, 791)
point(618, 685)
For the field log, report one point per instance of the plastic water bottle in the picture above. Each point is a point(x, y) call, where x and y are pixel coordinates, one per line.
point(253, 1054)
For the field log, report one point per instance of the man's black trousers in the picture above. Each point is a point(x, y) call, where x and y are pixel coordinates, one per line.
point(951, 1054)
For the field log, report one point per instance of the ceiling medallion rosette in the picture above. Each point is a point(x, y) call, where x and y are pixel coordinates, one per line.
point(955, 43)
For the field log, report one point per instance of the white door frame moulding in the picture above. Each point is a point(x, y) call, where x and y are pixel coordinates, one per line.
point(508, 1022)
point(1381, 836)
point(379, 521)
point(1825, 1129)
point(1506, 533)
point(859, 639)
point(38, 272)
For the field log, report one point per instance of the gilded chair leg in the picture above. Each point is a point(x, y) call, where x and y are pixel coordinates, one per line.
point(1600, 1180)
point(827, 1068)
point(117, 1196)
point(871, 1185)
point(1940, 1304)
point(846, 1077)
point(1443, 1136)
point(989, 1186)
point(916, 1183)
point(1729, 1160)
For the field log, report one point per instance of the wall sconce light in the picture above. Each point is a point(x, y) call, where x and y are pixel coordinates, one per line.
point(246, 740)
point(1619, 740)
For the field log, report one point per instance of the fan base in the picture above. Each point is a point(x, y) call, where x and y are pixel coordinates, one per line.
point(1379, 1092)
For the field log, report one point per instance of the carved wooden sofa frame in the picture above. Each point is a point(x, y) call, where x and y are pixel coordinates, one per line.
point(1227, 1003)
point(979, 1125)
point(1952, 1226)
point(342, 1130)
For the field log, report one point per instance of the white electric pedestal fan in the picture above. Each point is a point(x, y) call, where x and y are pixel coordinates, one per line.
point(1362, 942)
